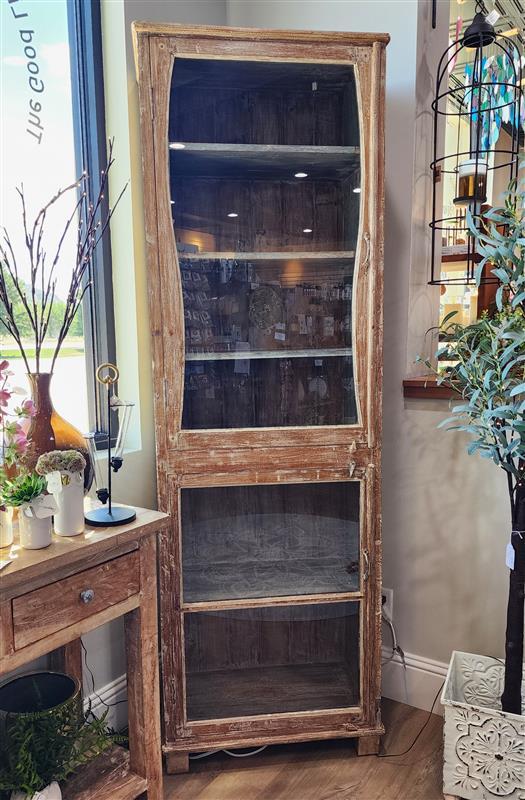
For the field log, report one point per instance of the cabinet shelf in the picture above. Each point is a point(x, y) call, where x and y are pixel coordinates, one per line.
point(296, 255)
point(206, 582)
point(242, 355)
point(201, 159)
point(220, 694)
point(107, 777)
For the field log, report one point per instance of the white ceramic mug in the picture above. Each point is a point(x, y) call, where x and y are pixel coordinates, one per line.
point(69, 518)
point(35, 532)
point(6, 527)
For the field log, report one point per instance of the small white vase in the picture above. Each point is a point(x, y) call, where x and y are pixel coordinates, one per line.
point(51, 792)
point(35, 533)
point(69, 519)
point(6, 528)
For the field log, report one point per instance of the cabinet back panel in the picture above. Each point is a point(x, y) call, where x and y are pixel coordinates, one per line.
point(268, 541)
point(263, 103)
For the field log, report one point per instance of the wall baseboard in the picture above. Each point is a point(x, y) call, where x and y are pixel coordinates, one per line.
point(418, 685)
point(113, 692)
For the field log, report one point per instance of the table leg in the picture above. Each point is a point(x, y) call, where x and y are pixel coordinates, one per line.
point(143, 675)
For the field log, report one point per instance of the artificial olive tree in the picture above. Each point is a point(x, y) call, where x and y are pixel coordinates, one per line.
point(488, 372)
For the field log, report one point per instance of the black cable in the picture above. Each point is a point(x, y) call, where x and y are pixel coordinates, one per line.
point(93, 690)
point(404, 752)
point(396, 755)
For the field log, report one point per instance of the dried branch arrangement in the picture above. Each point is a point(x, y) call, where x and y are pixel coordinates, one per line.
point(37, 294)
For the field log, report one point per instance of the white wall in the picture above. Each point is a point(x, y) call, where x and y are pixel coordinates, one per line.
point(444, 514)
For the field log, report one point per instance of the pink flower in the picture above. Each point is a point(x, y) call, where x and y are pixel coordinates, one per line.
point(4, 365)
point(29, 408)
point(5, 397)
point(20, 442)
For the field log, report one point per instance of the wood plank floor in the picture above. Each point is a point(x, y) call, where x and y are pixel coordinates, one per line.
point(326, 770)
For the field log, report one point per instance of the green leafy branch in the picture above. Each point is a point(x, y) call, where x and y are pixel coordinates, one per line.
point(43, 747)
point(486, 359)
point(500, 235)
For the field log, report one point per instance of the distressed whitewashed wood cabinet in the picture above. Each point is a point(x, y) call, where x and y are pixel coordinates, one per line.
point(263, 182)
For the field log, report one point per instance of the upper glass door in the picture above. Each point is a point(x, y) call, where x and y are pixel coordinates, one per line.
point(265, 199)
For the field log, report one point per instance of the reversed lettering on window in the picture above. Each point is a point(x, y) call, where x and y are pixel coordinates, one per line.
point(35, 83)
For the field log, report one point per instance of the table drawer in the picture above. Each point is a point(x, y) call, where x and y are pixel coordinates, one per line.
point(47, 610)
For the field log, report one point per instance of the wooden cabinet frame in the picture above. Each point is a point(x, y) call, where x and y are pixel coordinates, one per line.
point(191, 458)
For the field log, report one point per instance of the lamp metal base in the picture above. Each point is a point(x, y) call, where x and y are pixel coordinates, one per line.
point(102, 518)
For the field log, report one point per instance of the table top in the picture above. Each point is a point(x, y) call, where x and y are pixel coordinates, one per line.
point(29, 564)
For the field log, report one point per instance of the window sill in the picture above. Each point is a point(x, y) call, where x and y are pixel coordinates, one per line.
point(426, 388)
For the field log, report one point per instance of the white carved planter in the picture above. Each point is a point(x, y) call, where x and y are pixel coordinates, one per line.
point(484, 752)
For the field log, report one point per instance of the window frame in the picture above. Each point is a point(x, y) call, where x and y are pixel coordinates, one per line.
point(87, 88)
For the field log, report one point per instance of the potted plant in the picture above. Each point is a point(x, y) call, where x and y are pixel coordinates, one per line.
point(45, 734)
point(27, 493)
point(63, 471)
point(33, 295)
point(13, 444)
point(484, 721)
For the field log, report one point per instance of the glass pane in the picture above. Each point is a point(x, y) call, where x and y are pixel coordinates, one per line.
point(265, 193)
point(38, 151)
point(270, 541)
point(271, 660)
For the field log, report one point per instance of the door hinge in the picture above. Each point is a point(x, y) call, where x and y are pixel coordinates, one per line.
point(366, 570)
point(366, 261)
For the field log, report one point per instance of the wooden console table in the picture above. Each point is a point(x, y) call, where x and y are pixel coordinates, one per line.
point(51, 597)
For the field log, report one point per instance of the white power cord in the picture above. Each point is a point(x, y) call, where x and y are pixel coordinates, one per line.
point(396, 648)
point(228, 752)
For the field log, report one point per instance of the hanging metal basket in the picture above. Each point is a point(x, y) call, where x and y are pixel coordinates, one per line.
point(489, 99)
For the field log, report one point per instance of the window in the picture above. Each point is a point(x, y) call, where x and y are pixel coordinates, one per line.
point(469, 301)
point(53, 128)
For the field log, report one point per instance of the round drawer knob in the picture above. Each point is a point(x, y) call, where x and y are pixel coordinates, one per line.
point(87, 595)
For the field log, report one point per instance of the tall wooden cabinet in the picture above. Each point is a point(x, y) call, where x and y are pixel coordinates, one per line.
point(263, 184)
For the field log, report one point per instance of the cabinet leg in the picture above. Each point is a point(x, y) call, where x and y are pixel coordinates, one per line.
point(177, 763)
point(368, 745)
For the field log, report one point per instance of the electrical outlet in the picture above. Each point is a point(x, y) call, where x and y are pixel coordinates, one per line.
point(387, 596)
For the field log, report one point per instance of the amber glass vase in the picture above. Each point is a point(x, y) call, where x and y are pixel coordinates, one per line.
point(49, 431)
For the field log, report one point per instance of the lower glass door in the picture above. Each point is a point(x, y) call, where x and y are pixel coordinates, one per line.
point(271, 660)
point(270, 540)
